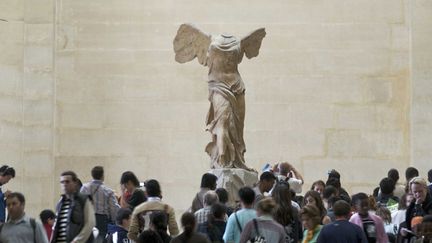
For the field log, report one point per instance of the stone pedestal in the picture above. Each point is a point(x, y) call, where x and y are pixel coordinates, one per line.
point(234, 179)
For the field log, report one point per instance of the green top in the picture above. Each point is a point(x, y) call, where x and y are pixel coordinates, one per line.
point(315, 236)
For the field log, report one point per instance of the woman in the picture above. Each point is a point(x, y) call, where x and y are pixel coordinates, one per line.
point(264, 226)
point(399, 216)
point(285, 214)
point(318, 186)
point(131, 185)
point(314, 198)
point(158, 230)
point(189, 234)
point(311, 218)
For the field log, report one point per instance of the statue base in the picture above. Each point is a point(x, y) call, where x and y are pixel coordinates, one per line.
point(232, 180)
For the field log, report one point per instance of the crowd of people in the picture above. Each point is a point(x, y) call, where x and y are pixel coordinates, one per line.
point(271, 211)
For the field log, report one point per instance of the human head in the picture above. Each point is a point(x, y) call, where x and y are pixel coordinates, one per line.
point(430, 175)
point(285, 168)
point(47, 216)
point(188, 222)
point(410, 173)
point(332, 181)
point(341, 209)
point(332, 200)
point(384, 213)
point(334, 174)
point(314, 198)
point(329, 191)
point(403, 202)
point(123, 217)
point(6, 174)
point(208, 180)
point(387, 186)
point(97, 173)
point(265, 206)
point(246, 195)
point(210, 198)
point(310, 217)
point(218, 211)
point(129, 181)
point(222, 194)
point(153, 188)
point(266, 182)
point(418, 187)
point(360, 201)
point(15, 203)
point(159, 221)
point(393, 174)
point(69, 182)
point(318, 186)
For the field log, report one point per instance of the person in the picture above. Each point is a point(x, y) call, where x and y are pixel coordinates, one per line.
point(265, 184)
point(389, 227)
point(430, 181)
point(341, 231)
point(6, 174)
point(210, 198)
point(385, 196)
point(104, 201)
point(208, 182)
point(410, 173)
point(237, 220)
point(117, 233)
point(223, 198)
point(157, 233)
point(75, 214)
point(399, 190)
point(330, 211)
point(318, 186)
point(424, 230)
point(311, 219)
point(329, 191)
point(215, 225)
point(141, 214)
point(334, 180)
point(399, 216)
point(421, 205)
point(189, 233)
point(47, 217)
point(131, 184)
point(285, 213)
point(225, 118)
point(372, 225)
point(264, 226)
point(290, 174)
point(20, 228)
point(314, 198)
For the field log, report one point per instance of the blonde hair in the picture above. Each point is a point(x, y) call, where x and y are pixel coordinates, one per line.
point(419, 181)
point(266, 205)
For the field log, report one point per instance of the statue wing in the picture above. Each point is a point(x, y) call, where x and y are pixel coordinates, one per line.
point(190, 42)
point(251, 43)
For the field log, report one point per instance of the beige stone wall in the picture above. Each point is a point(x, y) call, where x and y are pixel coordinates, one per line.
point(338, 84)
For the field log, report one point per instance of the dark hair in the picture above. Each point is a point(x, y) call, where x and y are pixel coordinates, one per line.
point(329, 191)
point(332, 200)
point(122, 214)
point(375, 191)
point(97, 172)
point(267, 176)
point(188, 221)
point(218, 210)
point(387, 186)
point(410, 173)
point(318, 182)
point(152, 188)
point(208, 180)
point(356, 198)
point(6, 170)
point(17, 195)
point(333, 174)
point(430, 175)
point(46, 214)
point(403, 201)
point(332, 181)
point(70, 173)
point(246, 195)
point(129, 176)
point(341, 208)
point(160, 220)
point(284, 168)
point(393, 174)
point(319, 203)
point(222, 194)
point(283, 213)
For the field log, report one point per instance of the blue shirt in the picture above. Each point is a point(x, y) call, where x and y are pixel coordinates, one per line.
point(232, 231)
point(2, 207)
point(341, 231)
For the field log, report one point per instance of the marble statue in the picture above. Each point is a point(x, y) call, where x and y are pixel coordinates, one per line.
point(225, 118)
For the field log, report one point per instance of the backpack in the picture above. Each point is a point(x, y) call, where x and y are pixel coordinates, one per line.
point(258, 238)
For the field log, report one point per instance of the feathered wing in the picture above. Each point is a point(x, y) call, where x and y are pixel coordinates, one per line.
point(190, 42)
point(251, 43)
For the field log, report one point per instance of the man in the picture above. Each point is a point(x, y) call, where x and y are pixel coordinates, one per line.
point(265, 184)
point(430, 181)
point(210, 198)
point(6, 174)
point(237, 221)
point(208, 182)
point(341, 231)
point(118, 233)
point(289, 174)
point(399, 190)
point(410, 173)
point(20, 228)
point(75, 214)
point(334, 180)
point(141, 214)
point(104, 200)
point(385, 196)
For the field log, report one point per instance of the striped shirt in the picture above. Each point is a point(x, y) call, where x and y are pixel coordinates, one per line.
point(62, 221)
point(104, 200)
